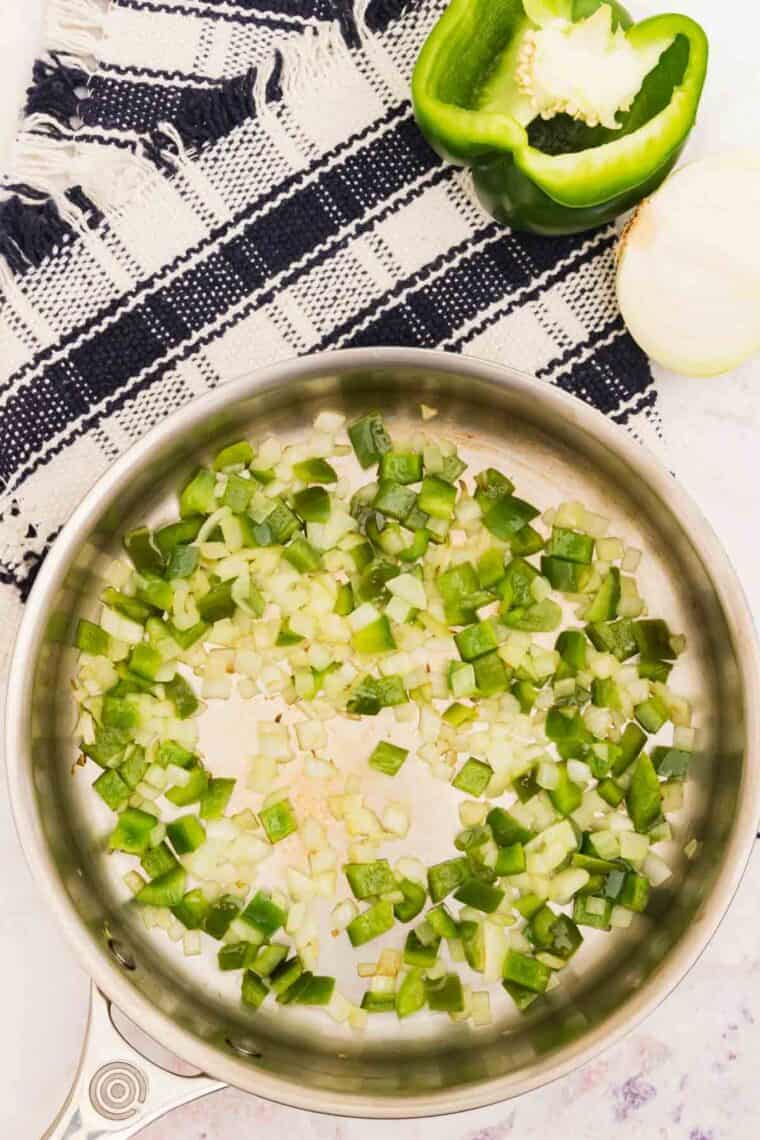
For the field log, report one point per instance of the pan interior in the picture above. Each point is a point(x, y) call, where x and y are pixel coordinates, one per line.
point(551, 459)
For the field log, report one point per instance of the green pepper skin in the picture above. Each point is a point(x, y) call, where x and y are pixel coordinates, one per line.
point(594, 174)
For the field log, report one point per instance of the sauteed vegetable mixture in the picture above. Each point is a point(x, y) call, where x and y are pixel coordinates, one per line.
point(504, 655)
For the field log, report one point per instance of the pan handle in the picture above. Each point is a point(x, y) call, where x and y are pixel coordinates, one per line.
point(117, 1091)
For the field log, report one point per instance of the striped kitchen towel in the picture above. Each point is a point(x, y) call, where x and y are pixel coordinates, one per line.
point(204, 186)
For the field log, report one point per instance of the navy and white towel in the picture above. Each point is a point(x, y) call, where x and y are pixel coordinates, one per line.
point(204, 186)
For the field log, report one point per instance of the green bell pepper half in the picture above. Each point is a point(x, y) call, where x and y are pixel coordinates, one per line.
point(557, 175)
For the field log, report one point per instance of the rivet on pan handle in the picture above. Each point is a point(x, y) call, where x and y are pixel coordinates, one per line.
point(117, 1091)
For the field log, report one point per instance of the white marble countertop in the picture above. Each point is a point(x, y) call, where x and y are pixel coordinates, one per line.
point(690, 1071)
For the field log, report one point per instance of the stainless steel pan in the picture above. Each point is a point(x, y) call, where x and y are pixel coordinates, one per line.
point(557, 448)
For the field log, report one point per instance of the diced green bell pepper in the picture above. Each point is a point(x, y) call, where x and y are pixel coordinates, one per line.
point(265, 959)
point(236, 955)
point(312, 504)
point(605, 603)
point(671, 763)
point(591, 910)
point(652, 714)
point(653, 639)
point(479, 895)
point(187, 637)
point(413, 902)
point(518, 578)
point(134, 765)
point(491, 485)
point(165, 890)
point(314, 989)
point(367, 880)
point(526, 971)
point(490, 568)
point(183, 562)
point(237, 454)
point(344, 603)
point(263, 914)
point(369, 438)
point(374, 693)
point(221, 915)
point(473, 777)
point(278, 820)
point(197, 497)
point(644, 797)
point(411, 994)
point(216, 797)
point(285, 975)
point(614, 637)
point(571, 546)
point(505, 828)
point(377, 637)
point(181, 795)
point(437, 498)
point(457, 714)
point(445, 995)
point(507, 516)
point(133, 830)
point(238, 493)
point(157, 861)
point(401, 466)
point(302, 556)
point(417, 547)
point(169, 537)
point(566, 796)
point(387, 758)
point(90, 638)
point(630, 744)
point(217, 603)
point(541, 617)
point(418, 953)
point(181, 694)
point(565, 576)
point(253, 992)
point(611, 792)
point(371, 923)
point(192, 909)
point(282, 523)
point(378, 1001)
point(394, 500)
point(171, 752)
point(315, 471)
point(476, 640)
point(372, 583)
point(635, 892)
point(445, 877)
point(145, 553)
point(112, 789)
point(491, 675)
point(186, 834)
point(556, 934)
point(510, 860)
point(655, 670)
point(521, 996)
point(473, 944)
point(526, 541)
point(605, 693)
point(441, 922)
point(125, 604)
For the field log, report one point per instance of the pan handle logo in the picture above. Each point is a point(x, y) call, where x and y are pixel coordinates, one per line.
point(117, 1090)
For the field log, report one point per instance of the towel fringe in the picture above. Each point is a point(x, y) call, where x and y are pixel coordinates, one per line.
point(75, 26)
point(46, 201)
point(62, 186)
